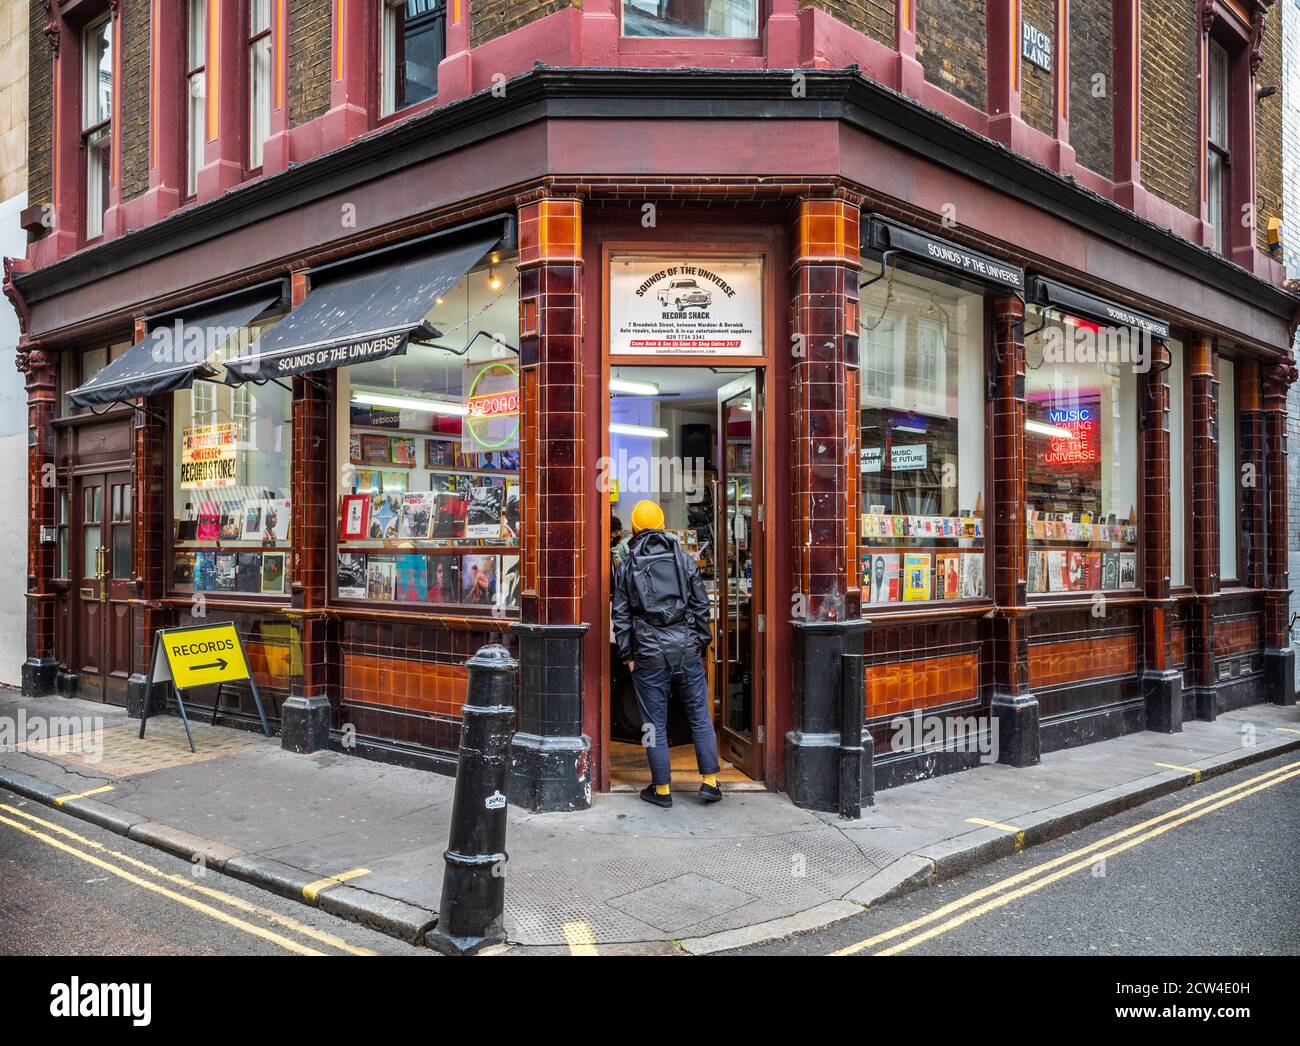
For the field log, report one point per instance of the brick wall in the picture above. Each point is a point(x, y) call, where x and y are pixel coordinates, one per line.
point(1091, 95)
point(950, 47)
point(310, 42)
point(489, 19)
point(1038, 88)
point(1268, 130)
point(1169, 145)
point(875, 18)
point(135, 98)
point(40, 141)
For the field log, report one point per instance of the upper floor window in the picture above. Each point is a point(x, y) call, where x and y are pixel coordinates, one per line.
point(1217, 195)
point(97, 119)
point(717, 18)
point(413, 40)
point(259, 79)
point(196, 123)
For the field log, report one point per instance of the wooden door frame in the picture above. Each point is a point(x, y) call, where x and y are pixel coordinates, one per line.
point(764, 363)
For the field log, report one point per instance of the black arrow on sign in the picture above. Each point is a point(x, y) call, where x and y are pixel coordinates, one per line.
point(218, 663)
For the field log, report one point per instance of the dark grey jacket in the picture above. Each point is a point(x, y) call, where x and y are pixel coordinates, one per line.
point(641, 640)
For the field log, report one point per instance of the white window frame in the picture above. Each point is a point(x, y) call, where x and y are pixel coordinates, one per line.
point(260, 79)
point(196, 93)
point(96, 131)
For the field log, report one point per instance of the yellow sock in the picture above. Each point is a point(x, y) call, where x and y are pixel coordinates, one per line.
point(661, 789)
point(711, 780)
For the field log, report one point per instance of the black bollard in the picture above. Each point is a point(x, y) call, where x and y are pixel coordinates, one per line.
point(473, 884)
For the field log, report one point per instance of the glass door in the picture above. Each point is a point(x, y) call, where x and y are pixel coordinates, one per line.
point(741, 622)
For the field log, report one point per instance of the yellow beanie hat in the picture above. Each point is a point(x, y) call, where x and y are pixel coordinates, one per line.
point(647, 516)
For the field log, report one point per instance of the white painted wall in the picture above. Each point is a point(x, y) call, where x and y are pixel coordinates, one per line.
point(13, 466)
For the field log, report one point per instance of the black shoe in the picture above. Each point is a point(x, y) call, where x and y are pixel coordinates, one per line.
point(649, 794)
point(710, 793)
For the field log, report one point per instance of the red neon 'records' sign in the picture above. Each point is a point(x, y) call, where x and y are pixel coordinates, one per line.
point(495, 405)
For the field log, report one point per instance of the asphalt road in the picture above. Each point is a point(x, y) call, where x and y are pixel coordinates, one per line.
point(1201, 876)
point(93, 892)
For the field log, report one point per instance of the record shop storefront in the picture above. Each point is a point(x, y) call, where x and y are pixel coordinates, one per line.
point(927, 476)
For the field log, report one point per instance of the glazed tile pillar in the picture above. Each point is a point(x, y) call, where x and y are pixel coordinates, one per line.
point(1013, 706)
point(550, 756)
point(1162, 684)
point(1202, 700)
point(305, 716)
point(40, 669)
point(827, 626)
point(150, 566)
point(1279, 655)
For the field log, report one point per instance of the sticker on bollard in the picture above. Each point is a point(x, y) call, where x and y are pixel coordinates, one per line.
point(496, 801)
point(198, 655)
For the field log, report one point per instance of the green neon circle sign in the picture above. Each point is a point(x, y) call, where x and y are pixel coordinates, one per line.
point(509, 437)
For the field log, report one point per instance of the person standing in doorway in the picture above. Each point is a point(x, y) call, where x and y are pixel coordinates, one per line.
point(661, 625)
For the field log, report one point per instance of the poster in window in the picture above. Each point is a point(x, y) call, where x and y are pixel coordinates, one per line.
point(205, 565)
point(375, 450)
point(478, 579)
point(381, 577)
point(916, 576)
point(266, 520)
point(352, 575)
point(412, 578)
point(183, 569)
point(208, 458)
point(881, 577)
point(947, 578)
point(510, 513)
point(1128, 570)
point(668, 305)
point(972, 575)
point(232, 521)
point(354, 517)
point(209, 522)
point(444, 579)
point(491, 421)
point(486, 505)
point(403, 451)
point(248, 572)
point(451, 505)
point(223, 572)
point(417, 515)
point(385, 515)
point(439, 453)
point(273, 573)
point(509, 587)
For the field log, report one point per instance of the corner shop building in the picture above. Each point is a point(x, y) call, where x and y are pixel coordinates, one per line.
point(893, 449)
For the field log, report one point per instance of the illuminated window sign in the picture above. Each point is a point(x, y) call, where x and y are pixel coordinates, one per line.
point(1078, 443)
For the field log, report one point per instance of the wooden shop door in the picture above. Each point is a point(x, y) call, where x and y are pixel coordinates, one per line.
point(102, 547)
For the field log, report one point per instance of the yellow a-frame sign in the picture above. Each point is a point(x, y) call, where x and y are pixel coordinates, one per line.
point(199, 655)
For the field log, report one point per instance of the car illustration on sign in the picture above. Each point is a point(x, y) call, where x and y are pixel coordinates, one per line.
point(685, 294)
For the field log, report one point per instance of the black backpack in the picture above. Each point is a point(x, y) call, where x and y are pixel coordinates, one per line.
point(659, 582)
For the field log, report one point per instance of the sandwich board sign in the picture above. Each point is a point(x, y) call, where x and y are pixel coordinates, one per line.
point(199, 655)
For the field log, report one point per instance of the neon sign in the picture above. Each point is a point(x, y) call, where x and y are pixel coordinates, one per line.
point(1078, 445)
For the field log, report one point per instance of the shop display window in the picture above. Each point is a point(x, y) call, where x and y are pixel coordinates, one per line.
point(427, 446)
point(1082, 455)
point(1229, 475)
point(921, 440)
point(232, 509)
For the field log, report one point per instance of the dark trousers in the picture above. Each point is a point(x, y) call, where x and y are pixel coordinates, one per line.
point(654, 684)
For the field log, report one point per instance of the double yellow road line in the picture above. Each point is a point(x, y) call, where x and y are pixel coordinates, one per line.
point(146, 877)
point(997, 895)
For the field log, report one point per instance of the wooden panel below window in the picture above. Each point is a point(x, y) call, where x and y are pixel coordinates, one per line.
point(902, 686)
point(421, 686)
point(1099, 657)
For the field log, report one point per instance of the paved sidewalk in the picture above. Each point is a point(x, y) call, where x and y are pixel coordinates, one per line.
point(623, 875)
